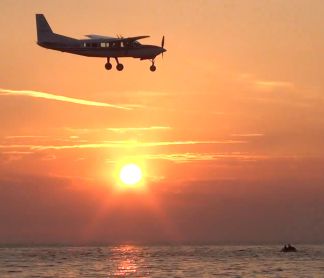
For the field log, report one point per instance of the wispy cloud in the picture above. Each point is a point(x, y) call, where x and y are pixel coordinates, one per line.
point(187, 157)
point(37, 94)
point(139, 94)
point(118, 129)
point(118, 144)
point(265, 85)
point(24, 136)
point(135, 129)
point(191, 157)
point(271, 85)
point(247, 134)
point(17, 152)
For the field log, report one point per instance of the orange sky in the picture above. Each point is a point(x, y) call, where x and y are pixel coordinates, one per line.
point(229, 128)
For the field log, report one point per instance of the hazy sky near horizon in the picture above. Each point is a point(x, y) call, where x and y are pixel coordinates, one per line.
point(229, 130)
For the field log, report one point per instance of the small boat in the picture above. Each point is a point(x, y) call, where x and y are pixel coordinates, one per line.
point(288, 248)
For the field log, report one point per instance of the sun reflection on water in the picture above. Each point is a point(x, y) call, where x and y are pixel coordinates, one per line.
point(127, 264)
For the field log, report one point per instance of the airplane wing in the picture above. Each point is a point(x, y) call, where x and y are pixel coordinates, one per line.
point(93, 36)
point(131, 39)
point(114, 39)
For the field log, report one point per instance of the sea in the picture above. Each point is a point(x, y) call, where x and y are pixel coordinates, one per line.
point(162, 261)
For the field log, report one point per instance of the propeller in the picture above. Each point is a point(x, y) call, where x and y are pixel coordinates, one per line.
point(162, 45)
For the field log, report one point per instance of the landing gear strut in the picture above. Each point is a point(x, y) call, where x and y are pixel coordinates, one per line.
point(152, 67)
point(119, 66)
point(108, 65)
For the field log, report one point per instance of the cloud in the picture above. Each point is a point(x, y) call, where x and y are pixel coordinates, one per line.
point(135, 129)
point(49, 157)
point(139, 94)
point(191, 157)
point(247, 134)
point(36, 94)
point(266, 85)
point(118, 129)
point(117, 144)
point(17, 152)
point(24, 136)
point(63, 212)
point(271, 85)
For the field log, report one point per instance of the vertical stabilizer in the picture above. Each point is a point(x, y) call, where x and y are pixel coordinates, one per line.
point(44, 31)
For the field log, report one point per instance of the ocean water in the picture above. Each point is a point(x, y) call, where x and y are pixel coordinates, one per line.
point(162, 261)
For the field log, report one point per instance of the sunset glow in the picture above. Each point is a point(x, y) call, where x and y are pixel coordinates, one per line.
point(130, 174)
point(224, 142)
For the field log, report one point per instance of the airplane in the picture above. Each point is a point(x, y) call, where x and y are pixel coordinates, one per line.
point(98, 46)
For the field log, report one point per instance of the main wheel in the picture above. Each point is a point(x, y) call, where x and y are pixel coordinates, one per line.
point(152, 68)
point(120, 67)
point(108, 66)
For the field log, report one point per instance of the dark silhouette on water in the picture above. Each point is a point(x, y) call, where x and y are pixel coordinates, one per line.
point(288, 248)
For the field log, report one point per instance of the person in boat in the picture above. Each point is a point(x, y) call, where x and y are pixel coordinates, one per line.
point(288, 248)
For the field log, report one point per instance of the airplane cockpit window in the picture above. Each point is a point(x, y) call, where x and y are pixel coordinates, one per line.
point(136, 43)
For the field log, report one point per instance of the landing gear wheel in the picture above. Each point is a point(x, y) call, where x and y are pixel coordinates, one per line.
point(119, 67)
point(108, 66)
point(152, 68)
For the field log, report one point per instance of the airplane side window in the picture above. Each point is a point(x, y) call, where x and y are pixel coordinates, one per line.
point(95, 44)
point(102, 44)
point(87, 44)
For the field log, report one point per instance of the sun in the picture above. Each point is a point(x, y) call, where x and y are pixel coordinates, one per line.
point(130, 174)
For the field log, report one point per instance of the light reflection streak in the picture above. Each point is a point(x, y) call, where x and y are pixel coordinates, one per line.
point(127, 264)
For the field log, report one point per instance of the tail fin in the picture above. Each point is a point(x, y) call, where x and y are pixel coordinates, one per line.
point(44, 31)
point(46, 35)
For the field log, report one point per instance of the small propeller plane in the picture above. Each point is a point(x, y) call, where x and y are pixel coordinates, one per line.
point(97, 45)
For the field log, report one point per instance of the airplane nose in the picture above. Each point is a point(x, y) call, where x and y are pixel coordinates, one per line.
point(162, 50)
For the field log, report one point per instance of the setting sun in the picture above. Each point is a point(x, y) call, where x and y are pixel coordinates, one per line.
point(130, 174)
